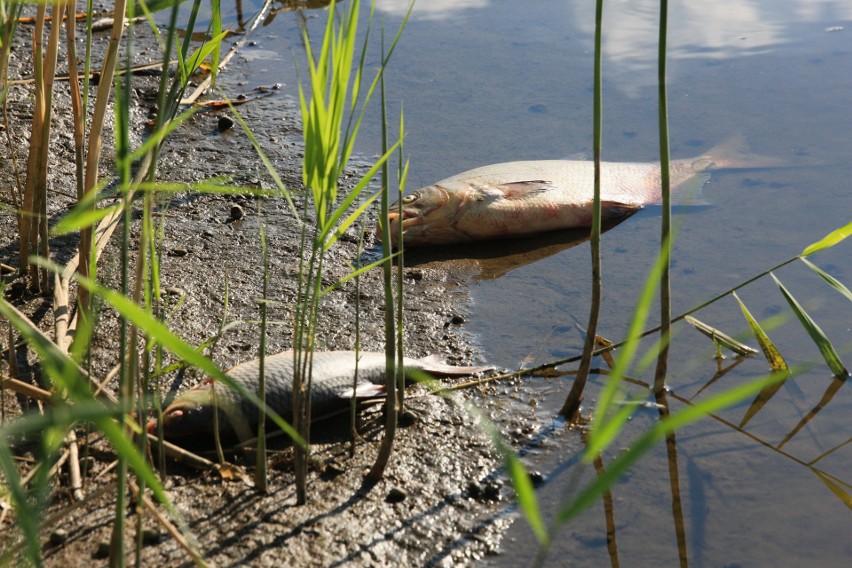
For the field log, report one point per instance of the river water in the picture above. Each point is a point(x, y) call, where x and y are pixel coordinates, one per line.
point(486, 81)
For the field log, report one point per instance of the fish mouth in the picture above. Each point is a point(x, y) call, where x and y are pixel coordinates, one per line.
point(408, 218)
point(171, 418)
point(432, 208)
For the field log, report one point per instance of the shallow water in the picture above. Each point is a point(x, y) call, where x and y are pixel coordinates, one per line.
point(484, 82)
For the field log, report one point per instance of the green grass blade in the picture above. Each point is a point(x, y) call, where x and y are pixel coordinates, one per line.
point(350, 198)
point(267, 163)
point(80, 217)
point(831, 357)
point(829, 240)
point(721, 338)
point(202, 53)
point(28, 519)
point(349, 140)
point(832, 281)
point(836, 486)
point(773, 356)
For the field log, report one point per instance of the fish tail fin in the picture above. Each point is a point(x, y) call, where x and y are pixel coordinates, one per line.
point(690, 193)
point(734, 153)
point(435, 365)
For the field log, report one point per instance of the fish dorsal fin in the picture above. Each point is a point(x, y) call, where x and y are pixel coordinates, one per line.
point(689, 192)
point(617, 210)
point(521, 189)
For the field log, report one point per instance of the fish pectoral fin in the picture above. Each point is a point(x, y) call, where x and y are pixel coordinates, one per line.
point(522, 189)
point(618, 210)
point(365, 390)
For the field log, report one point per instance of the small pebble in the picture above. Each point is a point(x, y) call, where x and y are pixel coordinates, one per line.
point(151, 536)
point(396, 495)
point(474, 490)
point(407, 418)
point(331, 471)
point(415, 274)
point(225, 123)
point(102, 551)
point(536, 477)
point(58, 536)
point(491, 492)
point(179, 251)
point(457, 320)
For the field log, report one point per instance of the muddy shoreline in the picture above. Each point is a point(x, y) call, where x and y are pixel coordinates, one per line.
point(442, 501)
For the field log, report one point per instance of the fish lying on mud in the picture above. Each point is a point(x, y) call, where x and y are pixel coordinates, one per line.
point(522, 198)
point(191, 413)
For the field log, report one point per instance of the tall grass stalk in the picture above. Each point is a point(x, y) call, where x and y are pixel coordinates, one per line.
point(335, 90)
point(571, 407)
point(609, 419)
point(665, 284)
point(665, 223)
point(127, 337)
point(392, 363)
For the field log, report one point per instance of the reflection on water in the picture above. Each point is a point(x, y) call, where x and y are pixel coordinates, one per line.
point(706, 30)
point(431, 9)
point(489, 260)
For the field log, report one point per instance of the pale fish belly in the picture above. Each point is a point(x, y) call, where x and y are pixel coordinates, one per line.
point(503, 218)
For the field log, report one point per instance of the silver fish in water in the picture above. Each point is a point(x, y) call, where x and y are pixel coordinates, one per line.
point(522, 198)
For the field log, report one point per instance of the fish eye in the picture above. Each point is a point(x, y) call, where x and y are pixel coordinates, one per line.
point(411, 198)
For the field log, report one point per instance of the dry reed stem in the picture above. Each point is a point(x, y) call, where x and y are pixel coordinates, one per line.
point(184, 456)
point(25, 389)
point(76, 105)
point(74, 466)
point(28, 204)
point(95, 142)
point(62, 314)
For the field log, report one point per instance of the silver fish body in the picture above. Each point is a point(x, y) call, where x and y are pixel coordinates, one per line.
point(191, 413)
point(522, 198)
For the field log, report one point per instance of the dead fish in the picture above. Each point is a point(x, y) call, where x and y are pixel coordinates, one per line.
point(191, 413)
point(522, 198)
